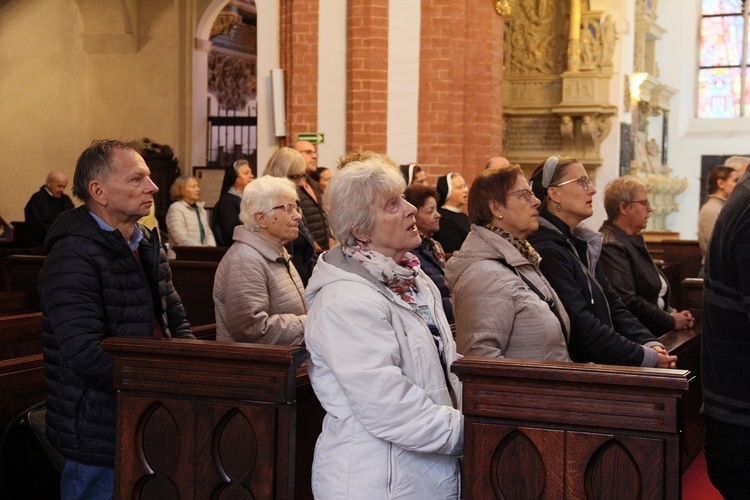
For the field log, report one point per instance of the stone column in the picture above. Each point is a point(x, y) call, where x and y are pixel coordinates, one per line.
point(574, 37)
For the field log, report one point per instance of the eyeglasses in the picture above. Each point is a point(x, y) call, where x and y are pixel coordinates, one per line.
point(295, 178)
point(645, 203)
point(308, 152)
point(289, 208)
point(526, 194)
point(583, 180)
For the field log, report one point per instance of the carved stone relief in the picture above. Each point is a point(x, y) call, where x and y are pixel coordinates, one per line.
point(231, 80)
point(552, 107)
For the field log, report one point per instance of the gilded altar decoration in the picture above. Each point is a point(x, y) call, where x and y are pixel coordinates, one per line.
point(502, 7)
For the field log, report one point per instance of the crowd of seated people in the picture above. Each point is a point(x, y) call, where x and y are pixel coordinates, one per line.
point(373, 296)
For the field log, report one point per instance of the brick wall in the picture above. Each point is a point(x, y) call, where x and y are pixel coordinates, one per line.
point(460, 100)
point(366, 75)
point(299, 58)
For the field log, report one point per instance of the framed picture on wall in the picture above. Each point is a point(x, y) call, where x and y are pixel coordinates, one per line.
point(209, 180)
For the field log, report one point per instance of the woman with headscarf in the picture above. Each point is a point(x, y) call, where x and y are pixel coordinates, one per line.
point(454, 225)
point(413, 174)
point(380, 351)
point(602, 330)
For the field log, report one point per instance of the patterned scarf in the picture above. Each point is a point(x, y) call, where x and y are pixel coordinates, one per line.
point(398, 278)
point(523, 246)
point(434, 247)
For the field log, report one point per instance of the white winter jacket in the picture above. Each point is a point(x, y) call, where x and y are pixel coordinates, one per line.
point(183, 229)
point(390, 430)
point(258, 295)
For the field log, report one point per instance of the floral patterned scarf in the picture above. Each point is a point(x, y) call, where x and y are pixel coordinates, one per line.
point(522, 246)
point(398, 278)
point(434, 247)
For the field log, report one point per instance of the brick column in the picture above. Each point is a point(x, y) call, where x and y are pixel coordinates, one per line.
point(460, 86)
point(299, 58)
point(367, 75)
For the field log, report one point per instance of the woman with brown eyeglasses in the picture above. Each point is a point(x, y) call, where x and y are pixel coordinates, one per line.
point(602, 330)
point(503, 306)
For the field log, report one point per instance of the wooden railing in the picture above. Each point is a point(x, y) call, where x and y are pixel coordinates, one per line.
point(570, 431)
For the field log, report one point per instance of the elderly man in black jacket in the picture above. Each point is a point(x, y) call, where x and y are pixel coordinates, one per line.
point(104, 276)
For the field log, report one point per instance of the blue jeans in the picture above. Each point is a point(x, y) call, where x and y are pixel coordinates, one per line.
point(89, 482)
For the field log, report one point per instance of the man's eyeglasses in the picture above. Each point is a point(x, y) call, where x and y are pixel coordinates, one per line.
point(645, 203)
point(308, 152)
point(289, 208)
point(295, 178)
point(526, 194)
point(584, 181)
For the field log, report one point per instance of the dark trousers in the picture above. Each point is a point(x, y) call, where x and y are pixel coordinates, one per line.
point(727, 450)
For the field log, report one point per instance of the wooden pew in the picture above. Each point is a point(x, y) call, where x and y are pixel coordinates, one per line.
point(686, 345)
point(194, 281)
point(20, 335)
point(683, 251)
point(21, 272)
point(561, 430)
point(22, 382)
point(203, 254)
point(18, 302)
point(692, 293)
point(200, 419)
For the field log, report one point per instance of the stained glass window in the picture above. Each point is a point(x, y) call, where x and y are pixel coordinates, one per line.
point(723, 76)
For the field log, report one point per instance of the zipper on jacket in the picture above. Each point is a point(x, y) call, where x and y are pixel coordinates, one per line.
point(390, 469)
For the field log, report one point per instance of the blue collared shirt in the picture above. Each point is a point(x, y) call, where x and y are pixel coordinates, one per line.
point(134, 240)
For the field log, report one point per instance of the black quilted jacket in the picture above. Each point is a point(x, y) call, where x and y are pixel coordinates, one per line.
point(92, 287)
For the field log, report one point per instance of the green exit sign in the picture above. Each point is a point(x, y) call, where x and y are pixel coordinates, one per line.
point(312, 138)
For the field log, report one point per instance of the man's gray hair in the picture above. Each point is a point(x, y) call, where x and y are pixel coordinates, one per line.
point(262, 195)
point(96, 163)
point(352, 193)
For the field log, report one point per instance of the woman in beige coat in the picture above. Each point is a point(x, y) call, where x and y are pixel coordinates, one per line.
point(503, 306)
point(258, 295)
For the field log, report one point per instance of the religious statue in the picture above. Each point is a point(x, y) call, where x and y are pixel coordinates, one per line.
point(607, 35)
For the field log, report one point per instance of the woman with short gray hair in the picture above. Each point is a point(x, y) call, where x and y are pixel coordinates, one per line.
point(380, 350)
point(626, 261)
point(258, 295)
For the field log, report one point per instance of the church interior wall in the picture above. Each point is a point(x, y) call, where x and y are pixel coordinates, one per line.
point(57, 97)
point(691, 137)
point(43, 97)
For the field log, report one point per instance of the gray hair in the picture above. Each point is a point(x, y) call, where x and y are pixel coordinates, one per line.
point(354, 190)
point(285, 162)
point(737, 162)
point(262, 195)
point(96, 163)
point(238, 164)
point(623, 189)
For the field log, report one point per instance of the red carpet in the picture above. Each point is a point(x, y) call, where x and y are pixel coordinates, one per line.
point(695, 482)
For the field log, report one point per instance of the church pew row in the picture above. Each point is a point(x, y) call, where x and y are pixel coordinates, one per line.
point(201, 254)
point(21, 385)
point(533, 429)
point(20, 335)
point(193, 280)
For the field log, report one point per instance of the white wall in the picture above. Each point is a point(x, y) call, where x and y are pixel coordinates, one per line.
point(677, 55)
point(403, 79)
point(332, 81)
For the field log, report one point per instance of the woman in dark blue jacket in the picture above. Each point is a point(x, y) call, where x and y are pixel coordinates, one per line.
point(602, 329)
